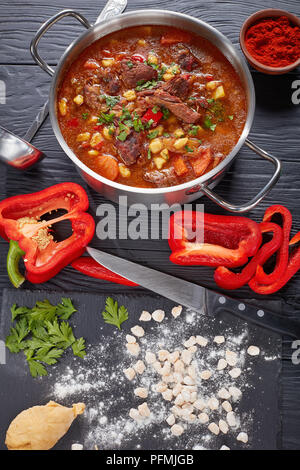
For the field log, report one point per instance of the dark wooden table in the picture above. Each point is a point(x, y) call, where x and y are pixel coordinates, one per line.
point(276, 129)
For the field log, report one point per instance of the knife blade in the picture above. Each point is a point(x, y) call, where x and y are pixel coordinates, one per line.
point(196, 297)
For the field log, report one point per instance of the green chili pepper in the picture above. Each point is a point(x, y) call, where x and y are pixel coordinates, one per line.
point(13, 257)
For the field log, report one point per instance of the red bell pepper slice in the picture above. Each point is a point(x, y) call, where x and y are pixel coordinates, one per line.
point(228, 240)
point(73, 123)
point(151, 116)
point(283, 253)
point(292, 267)
point(20, 220)
point(227, 279)
point(138, 58)
point(90, 267)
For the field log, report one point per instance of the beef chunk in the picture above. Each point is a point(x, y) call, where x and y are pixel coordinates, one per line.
point(175, 105)
point(178, 86)
point(91, 95)
point(162, 178)
point(130, 149)
point(137, 73)
point(198, 103)
point(187, 60)
point(113, 87)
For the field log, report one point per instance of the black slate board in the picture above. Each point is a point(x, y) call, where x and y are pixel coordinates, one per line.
point(21, 391)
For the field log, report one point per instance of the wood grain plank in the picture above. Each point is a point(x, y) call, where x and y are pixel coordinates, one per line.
point(16, 31)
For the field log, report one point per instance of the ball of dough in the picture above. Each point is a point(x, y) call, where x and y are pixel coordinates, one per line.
point(41, 427)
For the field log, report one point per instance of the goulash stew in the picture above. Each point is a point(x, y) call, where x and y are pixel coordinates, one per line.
point(151, 107)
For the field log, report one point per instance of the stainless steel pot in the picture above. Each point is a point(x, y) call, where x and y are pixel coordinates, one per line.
point(183, 193)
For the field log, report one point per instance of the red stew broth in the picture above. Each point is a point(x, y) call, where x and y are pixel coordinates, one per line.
point(225, 116)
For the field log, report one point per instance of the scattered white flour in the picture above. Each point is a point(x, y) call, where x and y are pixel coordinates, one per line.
point(99, 381)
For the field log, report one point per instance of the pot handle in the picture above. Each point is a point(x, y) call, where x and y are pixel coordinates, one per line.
point(44, 28)
point(256, 200)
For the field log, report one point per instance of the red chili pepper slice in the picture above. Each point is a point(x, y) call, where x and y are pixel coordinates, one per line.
point(90, 267)
point(20, 220)
point(226, 279)
point(138, 58)
point(227, 240)
point(150, 115)
point(283, 253)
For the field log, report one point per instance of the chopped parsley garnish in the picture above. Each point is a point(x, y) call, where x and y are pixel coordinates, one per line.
point(130, 64)
point(210, 101)
point(193, 130)
point(137, 124)
point(230, 117)
point(125, 115)
point(165, 111)
point(155, 109)
point(153, 134)
point(161, 72)
point(165, 134)
point(105, 118)
point(111, 101)
point(142, 85)
point(122, 136)
point(149, 154)
point(208, 124)
point(217, 109)
point(149, 123)
point(154, 66)
point(188, 149)
point(85, 115)
point(43, 334)
point(124, 131)
point(113, 314)
point(111, 130)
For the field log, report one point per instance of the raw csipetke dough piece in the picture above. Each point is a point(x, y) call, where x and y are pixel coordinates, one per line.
point(40, 427)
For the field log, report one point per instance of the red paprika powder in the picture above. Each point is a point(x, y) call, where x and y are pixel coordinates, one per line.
point(274, 42)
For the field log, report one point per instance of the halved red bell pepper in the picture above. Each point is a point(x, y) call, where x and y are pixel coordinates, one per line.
point(88, 266)
point(283, 253)
point(226, 279)
point(227, 240)
point(292, 267)
point(20, 220)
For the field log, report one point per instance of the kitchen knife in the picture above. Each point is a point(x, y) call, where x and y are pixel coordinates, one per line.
point(196, 297)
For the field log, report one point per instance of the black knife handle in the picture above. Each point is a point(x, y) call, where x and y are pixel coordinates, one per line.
point(262, 317)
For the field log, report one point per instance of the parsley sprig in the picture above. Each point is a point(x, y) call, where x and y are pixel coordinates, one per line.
point(113, 314)
point(43, 334)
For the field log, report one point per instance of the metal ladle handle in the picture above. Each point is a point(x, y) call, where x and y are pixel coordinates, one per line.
point(239, 209)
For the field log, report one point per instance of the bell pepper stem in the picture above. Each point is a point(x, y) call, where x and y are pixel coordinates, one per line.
point(13, 258)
